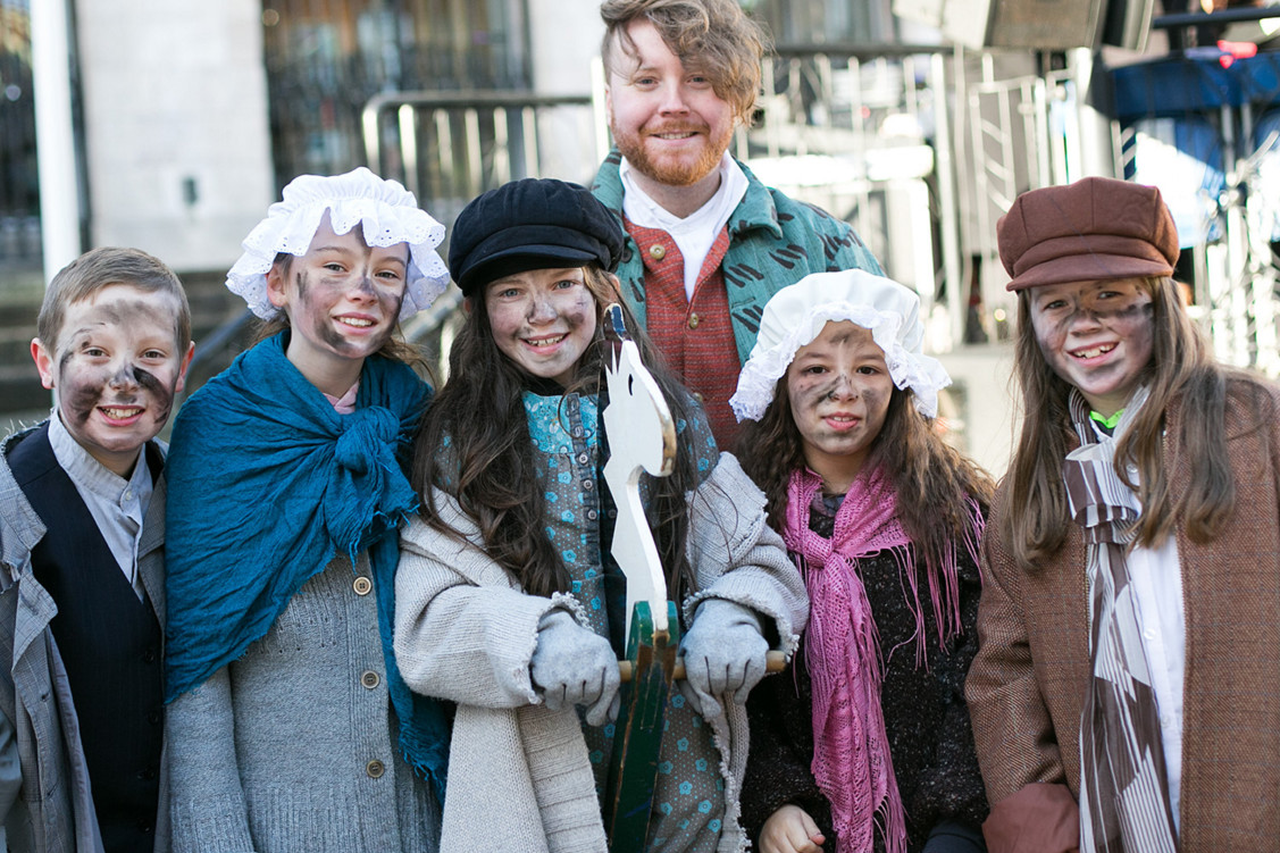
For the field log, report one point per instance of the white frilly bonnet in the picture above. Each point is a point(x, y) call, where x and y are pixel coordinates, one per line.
point(388, 212)
point(795, 315)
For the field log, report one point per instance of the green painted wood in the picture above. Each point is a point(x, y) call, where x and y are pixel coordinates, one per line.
point(638, 730)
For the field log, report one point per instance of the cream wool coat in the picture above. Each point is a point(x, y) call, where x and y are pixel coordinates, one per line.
point(466, 632)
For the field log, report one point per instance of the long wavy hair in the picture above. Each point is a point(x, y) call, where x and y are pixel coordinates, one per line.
point(489, 466)
point(1181, 366)
point(933, 482)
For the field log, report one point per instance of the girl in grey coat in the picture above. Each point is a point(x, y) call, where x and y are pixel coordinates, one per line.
point(290, 727)
point(508, 602)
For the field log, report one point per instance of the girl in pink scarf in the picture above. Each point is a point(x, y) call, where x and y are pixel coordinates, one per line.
point(867, 746)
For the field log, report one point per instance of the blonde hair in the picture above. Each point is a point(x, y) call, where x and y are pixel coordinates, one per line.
point(715, 36)
point(103, 267)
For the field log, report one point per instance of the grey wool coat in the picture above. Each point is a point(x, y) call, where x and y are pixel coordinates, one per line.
point(53, 811)
point(466, 632)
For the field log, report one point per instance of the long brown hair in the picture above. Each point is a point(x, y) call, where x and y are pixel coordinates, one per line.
point(932, 480)
point(479, 417)
point(1182, 367)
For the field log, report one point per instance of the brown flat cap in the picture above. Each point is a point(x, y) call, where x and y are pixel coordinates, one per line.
point(1091, 230)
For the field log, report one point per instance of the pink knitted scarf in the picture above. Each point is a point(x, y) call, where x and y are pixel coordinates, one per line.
point(851, 758)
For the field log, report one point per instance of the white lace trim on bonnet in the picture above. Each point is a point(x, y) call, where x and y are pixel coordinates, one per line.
point(795, 315)
point(388, 212)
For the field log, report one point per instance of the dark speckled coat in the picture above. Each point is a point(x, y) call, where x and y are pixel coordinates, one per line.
point(925, 717)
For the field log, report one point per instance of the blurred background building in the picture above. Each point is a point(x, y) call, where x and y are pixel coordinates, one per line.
point(171, 125)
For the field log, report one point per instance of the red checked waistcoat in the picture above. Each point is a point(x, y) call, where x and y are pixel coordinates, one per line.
point(694, 336)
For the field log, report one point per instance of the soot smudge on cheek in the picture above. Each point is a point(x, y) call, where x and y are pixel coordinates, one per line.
point(308, 312)
point(391, 304)
point(302, 283)
point(152, 385)
point(811, 393)
point(873, 397)
point(80, 397)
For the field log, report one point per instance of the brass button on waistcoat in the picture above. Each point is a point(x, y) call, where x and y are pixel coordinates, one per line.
point(657, 251)
point(693, 321)
point(375, 769)
point(370, 679)
point(697, 396)
point(362, 585)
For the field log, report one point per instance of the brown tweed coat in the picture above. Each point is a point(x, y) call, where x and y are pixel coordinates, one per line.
point(1027, 684)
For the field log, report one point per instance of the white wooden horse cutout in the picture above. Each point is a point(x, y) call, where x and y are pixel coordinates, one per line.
point(642, 436)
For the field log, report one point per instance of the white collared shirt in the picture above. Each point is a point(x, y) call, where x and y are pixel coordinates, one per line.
point(695, 234)
point(116, 504)
point(1156, 577)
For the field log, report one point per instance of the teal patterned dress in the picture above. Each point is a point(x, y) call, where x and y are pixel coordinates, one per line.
point(688, 804)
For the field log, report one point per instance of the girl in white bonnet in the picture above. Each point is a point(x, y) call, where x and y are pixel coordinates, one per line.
point(867, 745)
point(290, 727)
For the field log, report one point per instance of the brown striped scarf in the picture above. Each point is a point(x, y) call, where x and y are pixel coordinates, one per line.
point(1124, 791)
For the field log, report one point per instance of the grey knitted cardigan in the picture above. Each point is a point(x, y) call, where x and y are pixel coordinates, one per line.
point(293, 746)
point(519, 777)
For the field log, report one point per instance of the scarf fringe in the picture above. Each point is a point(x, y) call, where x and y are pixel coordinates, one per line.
point(852, 762)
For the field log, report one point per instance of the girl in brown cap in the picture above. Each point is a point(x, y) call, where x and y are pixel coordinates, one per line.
point(1126, 692)
point(510, 602)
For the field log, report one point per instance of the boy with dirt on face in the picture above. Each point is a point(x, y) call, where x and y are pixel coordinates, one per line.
point(82, 607)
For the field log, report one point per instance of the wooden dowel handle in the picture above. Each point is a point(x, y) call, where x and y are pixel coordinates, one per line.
point(775, 661)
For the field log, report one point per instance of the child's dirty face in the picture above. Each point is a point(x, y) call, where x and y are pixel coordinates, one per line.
point(543, 320)
point(1096, 335)
point(116, 369)
point(342, 297)
point(839, 386)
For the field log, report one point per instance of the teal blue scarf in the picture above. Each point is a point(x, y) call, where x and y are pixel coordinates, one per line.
point(264, 474)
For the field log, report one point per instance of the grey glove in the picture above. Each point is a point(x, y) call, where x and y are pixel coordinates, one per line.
point(724, 650)
point(573, 665)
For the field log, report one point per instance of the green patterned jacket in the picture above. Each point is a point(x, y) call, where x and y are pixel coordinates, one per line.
point(774, 241)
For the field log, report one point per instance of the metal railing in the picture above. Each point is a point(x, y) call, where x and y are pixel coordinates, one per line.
point(455, 145)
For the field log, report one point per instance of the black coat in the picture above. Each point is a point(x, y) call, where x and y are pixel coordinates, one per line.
point(926, 718)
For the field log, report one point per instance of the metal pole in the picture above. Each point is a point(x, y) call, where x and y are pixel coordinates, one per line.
point(56, 156)
point(948, 201)
point(1096, 157)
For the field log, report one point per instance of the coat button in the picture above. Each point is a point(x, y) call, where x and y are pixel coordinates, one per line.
point(657, 251)
point(375, 769)
point(362, 585)
point(697, 395)
point(369, 679)
point(693, 321)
